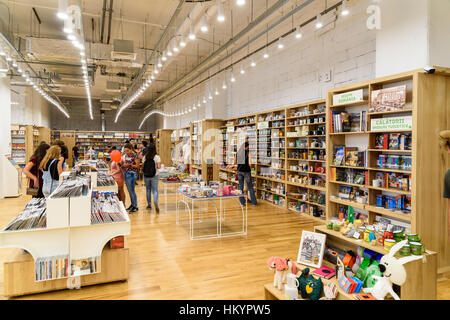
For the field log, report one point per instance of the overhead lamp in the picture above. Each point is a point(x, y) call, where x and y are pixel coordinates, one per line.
point(344, 10)
point(216, 92)
point(253, 63)
point(240, 2)
point(82, 53)
point(280, 43)
point(14, 63)
point(242, 71)
point(156, 71)
point(194, 107)
point(182, 42)
point(210, 96)
point(169, 51)
point(8, 58)
point(164, 58)
point(319, 23)
point(191, 32)
point(204, 26)
point(220, 15)
point(175, 45)
point(62, 9)
point(224, 85)
point(2, 52)
point(298, 33)
point(204, 100)
point(152, 77)
point(232, 79)
point(190, 109)
point(198, 103)
point(266, 54)
point(159, 63)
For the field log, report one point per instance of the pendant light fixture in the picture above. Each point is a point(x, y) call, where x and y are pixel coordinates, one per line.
point(319, 23)
point(191, 32)
point(204, 25)
point(224, 85)
point(220, 15)
point(175, 45)
point(182, 42)
point(242, 71)
point(240, 2)
point(62, 9)
point(280, 43)
point(253, 63)
point(169, 51)
point(160, 65)
point(344, 11)
point(232, 79)
point(164, 58)
point(298, 33)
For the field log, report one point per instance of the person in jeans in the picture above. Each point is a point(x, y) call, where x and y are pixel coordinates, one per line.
point(52, 167)
point(152, 165)
point(130, 164)
point(244, 172)
point(76, 153)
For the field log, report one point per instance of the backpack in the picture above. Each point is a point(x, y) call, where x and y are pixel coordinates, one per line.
point(49, 184)
point(149, 168)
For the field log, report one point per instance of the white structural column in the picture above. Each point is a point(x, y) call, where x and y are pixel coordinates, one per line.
point(413, 34)
point(5, 127)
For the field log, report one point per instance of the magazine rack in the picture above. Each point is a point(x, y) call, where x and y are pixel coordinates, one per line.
point(68, 233)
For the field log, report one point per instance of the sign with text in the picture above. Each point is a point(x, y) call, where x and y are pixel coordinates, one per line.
point(263, 125)
point(393, 123)
point(348, 97)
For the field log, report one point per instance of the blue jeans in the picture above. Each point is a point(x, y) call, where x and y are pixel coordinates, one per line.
point(247, 177)
point(151, 186)
point(130, 181)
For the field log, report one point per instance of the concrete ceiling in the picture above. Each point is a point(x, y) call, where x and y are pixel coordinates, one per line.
point(142, 21)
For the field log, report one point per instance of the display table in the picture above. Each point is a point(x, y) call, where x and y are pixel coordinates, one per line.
point(220, 214)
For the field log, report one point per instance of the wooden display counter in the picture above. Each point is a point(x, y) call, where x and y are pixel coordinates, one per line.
point(19, 273)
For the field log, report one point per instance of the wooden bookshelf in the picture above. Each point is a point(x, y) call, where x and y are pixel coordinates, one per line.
point(163, 141)
point(428, 104)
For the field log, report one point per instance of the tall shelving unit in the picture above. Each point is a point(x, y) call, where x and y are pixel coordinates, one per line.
point(18, 144)
point(306, 156)
point(176, 137)
point(234, 131)
point(205, 138)
point(428, 104)
point(163, 140)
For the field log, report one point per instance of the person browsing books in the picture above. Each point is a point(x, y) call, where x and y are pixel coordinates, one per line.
point(244, 172)
point(445, 144)
point(51, 166)
point(130, 164)
point(152, 166)
point(32, 171)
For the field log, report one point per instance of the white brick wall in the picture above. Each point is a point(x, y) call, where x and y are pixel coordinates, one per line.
point(291, 76)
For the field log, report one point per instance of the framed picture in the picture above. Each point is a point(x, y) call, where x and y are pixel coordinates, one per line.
point(312, 246)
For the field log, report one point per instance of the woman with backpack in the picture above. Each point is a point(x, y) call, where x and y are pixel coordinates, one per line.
point(130, 164)
point(51, 167)
point(152, 165)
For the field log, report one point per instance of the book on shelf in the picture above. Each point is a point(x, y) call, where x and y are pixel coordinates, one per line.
point(50, 268)
point(79, 267)
point(388, 99)
point(342, 121)
point(339, 155)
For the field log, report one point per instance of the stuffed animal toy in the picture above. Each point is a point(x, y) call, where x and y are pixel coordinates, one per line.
point(309, 286)
point(330, 291)
point(280, 266)
point(292, 267)
point(393, 273)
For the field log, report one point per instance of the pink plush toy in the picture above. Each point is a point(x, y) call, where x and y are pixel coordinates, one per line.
point(280, 266)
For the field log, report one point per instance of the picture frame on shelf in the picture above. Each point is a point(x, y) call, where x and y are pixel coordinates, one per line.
point(312, 246)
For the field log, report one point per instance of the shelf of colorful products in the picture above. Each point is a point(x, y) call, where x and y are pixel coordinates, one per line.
point(18, 150)
point(271, 157)
point(375, 177)
point(100, 141)
point(196, 146)
point(306, 155)
point(44, 228)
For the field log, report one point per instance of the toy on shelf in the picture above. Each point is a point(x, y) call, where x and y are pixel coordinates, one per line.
point(280, 266)
point(309, 286)
point(393, 273)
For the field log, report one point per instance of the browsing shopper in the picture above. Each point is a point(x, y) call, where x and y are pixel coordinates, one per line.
point(51, 166)
point(244, 172)
point(117, 174)
point(152, 165)
point(445, 143)
point(130, 164)
point(76, 153)
point(32, 171)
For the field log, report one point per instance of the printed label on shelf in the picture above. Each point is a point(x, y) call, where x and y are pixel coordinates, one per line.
point(392, 123)
point(348, 97)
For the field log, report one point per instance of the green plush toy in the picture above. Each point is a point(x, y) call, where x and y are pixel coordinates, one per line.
point(309, 286)
point(372, 270)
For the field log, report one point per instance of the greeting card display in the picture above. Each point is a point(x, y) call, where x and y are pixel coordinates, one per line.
point(311, 249)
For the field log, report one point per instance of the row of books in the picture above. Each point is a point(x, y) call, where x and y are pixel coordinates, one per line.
point(33, 216)
point(350, 156)
point(80, 267)
point(342, 121)
point(50, 268)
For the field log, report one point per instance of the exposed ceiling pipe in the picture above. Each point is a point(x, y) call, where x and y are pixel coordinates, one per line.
point(224, 47)
point(103, 21)
point(109, 20)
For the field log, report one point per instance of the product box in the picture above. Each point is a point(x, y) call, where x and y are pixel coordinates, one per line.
point(117, 242)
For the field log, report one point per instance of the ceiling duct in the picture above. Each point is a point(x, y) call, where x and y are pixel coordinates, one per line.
point(123, 49)
point(112, 86)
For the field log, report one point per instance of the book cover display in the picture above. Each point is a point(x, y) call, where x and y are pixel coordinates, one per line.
point(311, 249)
point(389, 99)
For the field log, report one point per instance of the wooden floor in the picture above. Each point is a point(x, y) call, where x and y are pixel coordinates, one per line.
point(165, 264)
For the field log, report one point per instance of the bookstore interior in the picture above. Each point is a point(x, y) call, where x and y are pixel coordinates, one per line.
point(225, 149)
